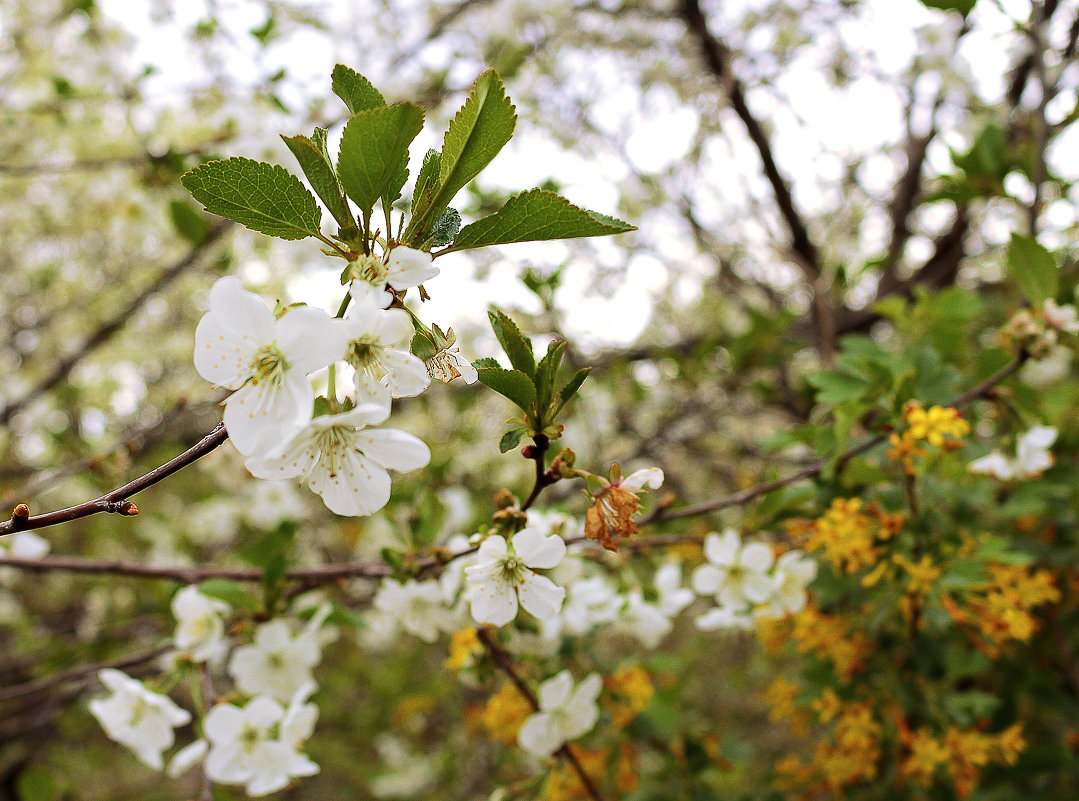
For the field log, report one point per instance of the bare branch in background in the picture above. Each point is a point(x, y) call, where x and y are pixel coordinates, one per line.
point(104, 332)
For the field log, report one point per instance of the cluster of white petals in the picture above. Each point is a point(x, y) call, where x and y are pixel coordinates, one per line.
point(748, 582)
point(279, 662)
point(503, 576)
point(1032, 457)
point(136, 717)
point(566, 712)
point(200, 627)
point(268, 360)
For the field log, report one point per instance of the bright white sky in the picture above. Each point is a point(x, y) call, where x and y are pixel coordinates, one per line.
point(856, 120)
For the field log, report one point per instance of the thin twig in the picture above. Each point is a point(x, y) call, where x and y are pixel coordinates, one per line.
point(505, 663)
point(105, 331)
point(117, 501)
point(75, 674)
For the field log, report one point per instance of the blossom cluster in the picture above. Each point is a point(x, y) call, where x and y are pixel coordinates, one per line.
point(256, 737)
point(268, 360)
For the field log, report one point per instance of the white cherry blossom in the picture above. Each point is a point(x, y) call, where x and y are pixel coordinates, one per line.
point(401, 268)
point(254, 747)
point(344, 462)
point(722, 617)
point(565, 713)
point(240, 345)
point(1032, 457)
point(200, 629)
point(503, 576)
point(643, 620)
point(590, 601)
point(136, 717)
point(419, 607)
point(672, 596)
point(378, 341)
point(1063, 318)
point(794, 572)
point(279, 662)
point(736, 574)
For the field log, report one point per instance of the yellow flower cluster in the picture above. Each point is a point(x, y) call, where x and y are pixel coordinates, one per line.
point(505, 713)
point(1001, 608)
point(564, 784)
point(465, 649)
point(828, 636)
point(781, 696)
point(960, 754)
point(935, 424)
point(850, 757)
point(849, 536)
point(629, 691)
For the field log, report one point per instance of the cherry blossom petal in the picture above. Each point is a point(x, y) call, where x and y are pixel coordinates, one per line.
point(222, 356)
point(493, 602)
point(262, 420)
point(370, 390)
point(409, 267)
point(393, 327)
point(494, 547)
point(310, 339)
point(405, 375)
point(758, 587)
point(359, 487)
point(722, 549)
point(647, 477)
point(540, 596)
point(556, 690)
point(240, 310)
point(757, 557)
point(298, 459)
point(539, 735)
point(538, 550)
point(392, 448)
point(707, 579)
point(224, 723)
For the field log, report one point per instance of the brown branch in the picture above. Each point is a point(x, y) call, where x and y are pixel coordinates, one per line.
point(105, 331)
point(717, 57)
point(505, 663)
point(75, 674)
point(663, 514)
point(116, 502)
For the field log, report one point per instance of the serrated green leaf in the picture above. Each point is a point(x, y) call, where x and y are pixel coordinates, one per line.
point(373, 162)
point(264, 197)
point(546, 370)
point(509, 440)
point(422, 347)
point(188, 221)
point(357, 92)
point(516, 345)
point(537, 215)
point(1033, 268)
point(478, 131)
point(486, 362)
point(512, 384)
point(569, 389)
point(316, 165)
point(446, 228)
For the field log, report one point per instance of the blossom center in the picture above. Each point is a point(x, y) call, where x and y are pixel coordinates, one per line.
point(365, 354)
point(370, 269)
point(334, 443)
point(268, 365)
point(513, 569)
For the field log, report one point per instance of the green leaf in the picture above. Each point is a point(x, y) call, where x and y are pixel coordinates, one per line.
point(264, 197)
point(537, 215)
point(1033, 268)
point(446, 228)
point(188, 221)
point(545, 372)
point(569, 389)
point(373, 162)
point(357, 92)
point(486, 362)
point(509, 440)
point(316, 165)
point(964, 7)
point(231, 592)
point(478, 131)
point(835, 387)
point(512, 384)
point(517, 346)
